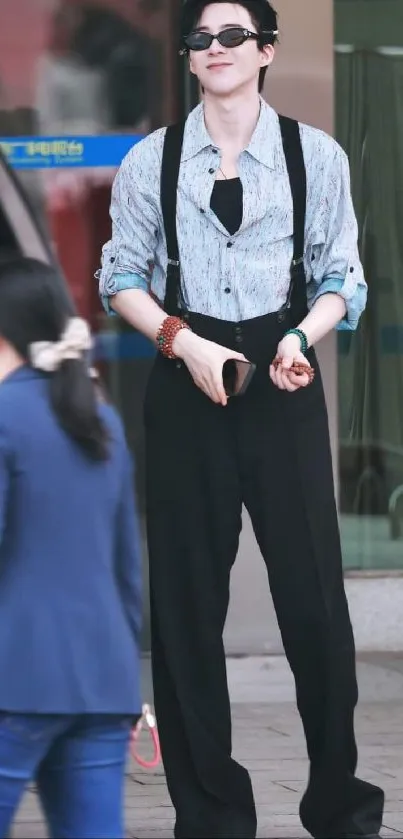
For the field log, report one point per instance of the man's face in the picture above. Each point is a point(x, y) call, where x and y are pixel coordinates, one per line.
point(223, 70)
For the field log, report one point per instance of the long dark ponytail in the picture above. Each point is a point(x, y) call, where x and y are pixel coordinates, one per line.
point(35, 307)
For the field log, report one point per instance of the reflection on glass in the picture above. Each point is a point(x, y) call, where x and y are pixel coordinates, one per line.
point(369, 124)
point(83, 67)
point(93, 75)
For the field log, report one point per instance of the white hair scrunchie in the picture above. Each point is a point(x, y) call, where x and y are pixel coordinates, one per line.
point(74, 342)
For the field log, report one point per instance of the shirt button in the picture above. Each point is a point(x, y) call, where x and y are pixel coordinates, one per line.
point(215, 151)
point(112, 259)
point(351, 270)
point(229, 244)
point(211, 171)
point(201, 210)
point(227, 290)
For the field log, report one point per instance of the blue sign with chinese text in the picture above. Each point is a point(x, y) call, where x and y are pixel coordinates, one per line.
point(67, 152)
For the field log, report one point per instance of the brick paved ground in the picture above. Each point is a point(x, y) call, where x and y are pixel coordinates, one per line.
point(268, 740)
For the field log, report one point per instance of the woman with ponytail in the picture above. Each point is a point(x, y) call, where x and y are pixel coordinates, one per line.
point(70, 568)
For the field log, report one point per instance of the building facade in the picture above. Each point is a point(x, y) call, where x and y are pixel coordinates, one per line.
point(73, 71)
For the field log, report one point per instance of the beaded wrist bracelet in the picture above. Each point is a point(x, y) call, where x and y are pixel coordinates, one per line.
point(302, 337)
point(167, 334)
point(298, 369)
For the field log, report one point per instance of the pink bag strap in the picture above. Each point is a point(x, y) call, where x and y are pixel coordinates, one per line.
point(147, 719)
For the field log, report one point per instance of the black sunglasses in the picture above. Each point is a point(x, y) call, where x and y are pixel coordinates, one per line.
point(232, 37)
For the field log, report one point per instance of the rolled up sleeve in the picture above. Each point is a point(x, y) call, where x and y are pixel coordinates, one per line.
point(128, 257)
point(334, 261)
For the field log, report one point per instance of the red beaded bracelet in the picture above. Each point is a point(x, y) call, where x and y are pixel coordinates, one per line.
point(167, 334)
point(298, 368)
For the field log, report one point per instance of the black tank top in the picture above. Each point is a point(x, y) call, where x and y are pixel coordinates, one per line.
point(227, 203)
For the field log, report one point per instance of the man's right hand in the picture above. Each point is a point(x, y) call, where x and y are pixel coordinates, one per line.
point(205, 360)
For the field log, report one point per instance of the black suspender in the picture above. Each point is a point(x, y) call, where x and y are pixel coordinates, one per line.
point(169, 186)
point(294, 158)
point(171, 160)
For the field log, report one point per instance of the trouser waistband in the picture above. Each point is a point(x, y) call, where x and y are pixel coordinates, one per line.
point(257, 338)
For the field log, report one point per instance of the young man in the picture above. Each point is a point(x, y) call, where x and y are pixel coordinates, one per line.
point(261, 263)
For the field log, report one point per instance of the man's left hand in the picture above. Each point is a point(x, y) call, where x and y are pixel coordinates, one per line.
point(289, 352)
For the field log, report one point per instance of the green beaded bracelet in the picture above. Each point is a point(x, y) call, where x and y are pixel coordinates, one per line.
point(302, 337)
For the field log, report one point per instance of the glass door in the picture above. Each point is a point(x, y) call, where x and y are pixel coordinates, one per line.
point(369, 125)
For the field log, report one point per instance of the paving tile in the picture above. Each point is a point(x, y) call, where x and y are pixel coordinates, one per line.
point(393, 820)
point(268, 739)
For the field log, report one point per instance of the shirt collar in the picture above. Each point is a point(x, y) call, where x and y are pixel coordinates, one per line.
point(263, 146)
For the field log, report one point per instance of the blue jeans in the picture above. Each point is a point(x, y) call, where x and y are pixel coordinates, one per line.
point(78, 764)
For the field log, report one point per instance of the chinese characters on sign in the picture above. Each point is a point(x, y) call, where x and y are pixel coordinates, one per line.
point(66, 152)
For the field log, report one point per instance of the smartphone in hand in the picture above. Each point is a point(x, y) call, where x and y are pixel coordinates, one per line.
point(237, 376)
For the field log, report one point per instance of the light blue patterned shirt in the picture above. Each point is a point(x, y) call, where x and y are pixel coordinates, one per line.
point(245, 275)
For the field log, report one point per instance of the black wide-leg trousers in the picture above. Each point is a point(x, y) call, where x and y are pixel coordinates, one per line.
point(269, 450)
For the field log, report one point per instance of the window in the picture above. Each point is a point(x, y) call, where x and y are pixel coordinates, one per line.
point(369, 125)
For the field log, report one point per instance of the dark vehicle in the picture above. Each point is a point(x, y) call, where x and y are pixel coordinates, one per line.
point(19, 230)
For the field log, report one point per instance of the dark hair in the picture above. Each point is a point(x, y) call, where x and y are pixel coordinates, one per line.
point(35, 306)
point(262, 14)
